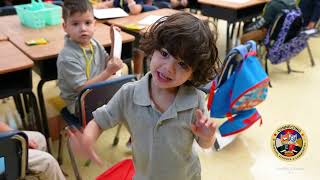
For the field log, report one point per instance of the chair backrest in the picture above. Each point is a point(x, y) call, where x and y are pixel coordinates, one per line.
point(285, 38)
point(7, 10)
point(13, 155)
point(98, 94)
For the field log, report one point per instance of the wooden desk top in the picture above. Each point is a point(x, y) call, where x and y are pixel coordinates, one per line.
point(232, 5)
point(134, 19)
point(19, 34)
point(3, 37)
point(12, 59)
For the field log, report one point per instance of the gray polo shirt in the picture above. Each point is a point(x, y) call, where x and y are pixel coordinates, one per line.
point(71, 66)
point(161, 142)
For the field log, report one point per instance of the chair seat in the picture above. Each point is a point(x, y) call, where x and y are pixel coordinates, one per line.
point(70, 119)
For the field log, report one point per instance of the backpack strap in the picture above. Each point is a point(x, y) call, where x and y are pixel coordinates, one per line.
point(290, 16)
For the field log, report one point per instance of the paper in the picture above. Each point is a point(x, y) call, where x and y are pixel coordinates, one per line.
point(109, 13)
point(117, 46)
point(150, 20)
point(311, 31)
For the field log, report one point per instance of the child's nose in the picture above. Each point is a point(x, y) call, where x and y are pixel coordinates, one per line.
point(171, 67)
point(83, 27)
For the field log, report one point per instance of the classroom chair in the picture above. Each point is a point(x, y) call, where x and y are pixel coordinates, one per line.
point(89, 99)
point(13, 155)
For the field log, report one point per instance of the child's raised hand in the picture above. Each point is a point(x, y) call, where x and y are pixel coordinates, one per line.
point(184, 3)
point(114, 64)
point(203, 128)
point(32, 144)
point(82, 146)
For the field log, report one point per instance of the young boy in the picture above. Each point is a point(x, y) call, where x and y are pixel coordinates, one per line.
point(164, 111)
point(83, 60)
point(41, 165)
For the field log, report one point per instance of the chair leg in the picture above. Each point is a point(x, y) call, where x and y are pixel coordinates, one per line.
point(291, 70)
point(116, 138)
point(310, 54)
point(288, 67)
point(60, 148)
point(266, 68)
point(73, 162)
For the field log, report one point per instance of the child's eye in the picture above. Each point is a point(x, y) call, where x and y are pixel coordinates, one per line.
point(183, 65)
point(75, 24)
point(88, 22)
point(164, 53)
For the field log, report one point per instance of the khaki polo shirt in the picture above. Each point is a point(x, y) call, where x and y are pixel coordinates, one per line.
point(161, 142)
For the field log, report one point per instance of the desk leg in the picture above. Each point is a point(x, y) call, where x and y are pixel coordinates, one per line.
point(44, 114)
point(19, 107)
point(27, 110)
point(228, 38)
point(33, 102)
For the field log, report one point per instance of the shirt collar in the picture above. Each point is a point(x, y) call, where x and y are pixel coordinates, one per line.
point(74, 45)
point(187, 97)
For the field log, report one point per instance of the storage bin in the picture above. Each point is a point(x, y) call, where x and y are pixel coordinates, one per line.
point(39, 14)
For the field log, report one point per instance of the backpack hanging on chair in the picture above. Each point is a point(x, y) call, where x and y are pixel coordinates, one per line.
point(285, 38)
point(242, 85)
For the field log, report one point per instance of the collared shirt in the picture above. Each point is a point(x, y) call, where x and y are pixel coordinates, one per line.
point(162, 143)
point(71, 65)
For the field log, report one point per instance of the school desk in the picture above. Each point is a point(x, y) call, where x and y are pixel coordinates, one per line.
point(232, 12)
point(3, 37)
point(45, 56)
point(16, 79)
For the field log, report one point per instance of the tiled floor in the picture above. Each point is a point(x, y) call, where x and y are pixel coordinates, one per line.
point(293, 99)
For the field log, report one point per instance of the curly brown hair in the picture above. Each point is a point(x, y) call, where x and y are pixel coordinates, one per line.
point(187, 38)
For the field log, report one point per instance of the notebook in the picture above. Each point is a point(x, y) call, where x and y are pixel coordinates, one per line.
point(109, 13)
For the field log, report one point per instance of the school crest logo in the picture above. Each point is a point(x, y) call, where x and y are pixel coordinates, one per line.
point(289, 142)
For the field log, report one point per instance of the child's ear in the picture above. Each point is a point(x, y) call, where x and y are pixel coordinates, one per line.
point(64, 26)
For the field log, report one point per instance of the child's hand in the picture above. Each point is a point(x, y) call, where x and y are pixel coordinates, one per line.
point(203, 128)
point(114, 64)
point(82, 146)
point(184, 3)
point(32, 144)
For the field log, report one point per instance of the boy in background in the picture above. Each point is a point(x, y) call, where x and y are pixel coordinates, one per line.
point(83, 60)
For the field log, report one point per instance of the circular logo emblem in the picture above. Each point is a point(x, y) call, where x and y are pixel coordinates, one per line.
point(289, 142)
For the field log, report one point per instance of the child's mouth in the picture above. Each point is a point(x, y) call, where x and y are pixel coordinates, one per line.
point(162, 77)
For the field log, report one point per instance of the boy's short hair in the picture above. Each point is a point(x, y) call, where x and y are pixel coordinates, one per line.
point(188, 38)
point(70, 7)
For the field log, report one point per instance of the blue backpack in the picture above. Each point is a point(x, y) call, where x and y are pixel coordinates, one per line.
point(285, 38)
point(242, 85)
